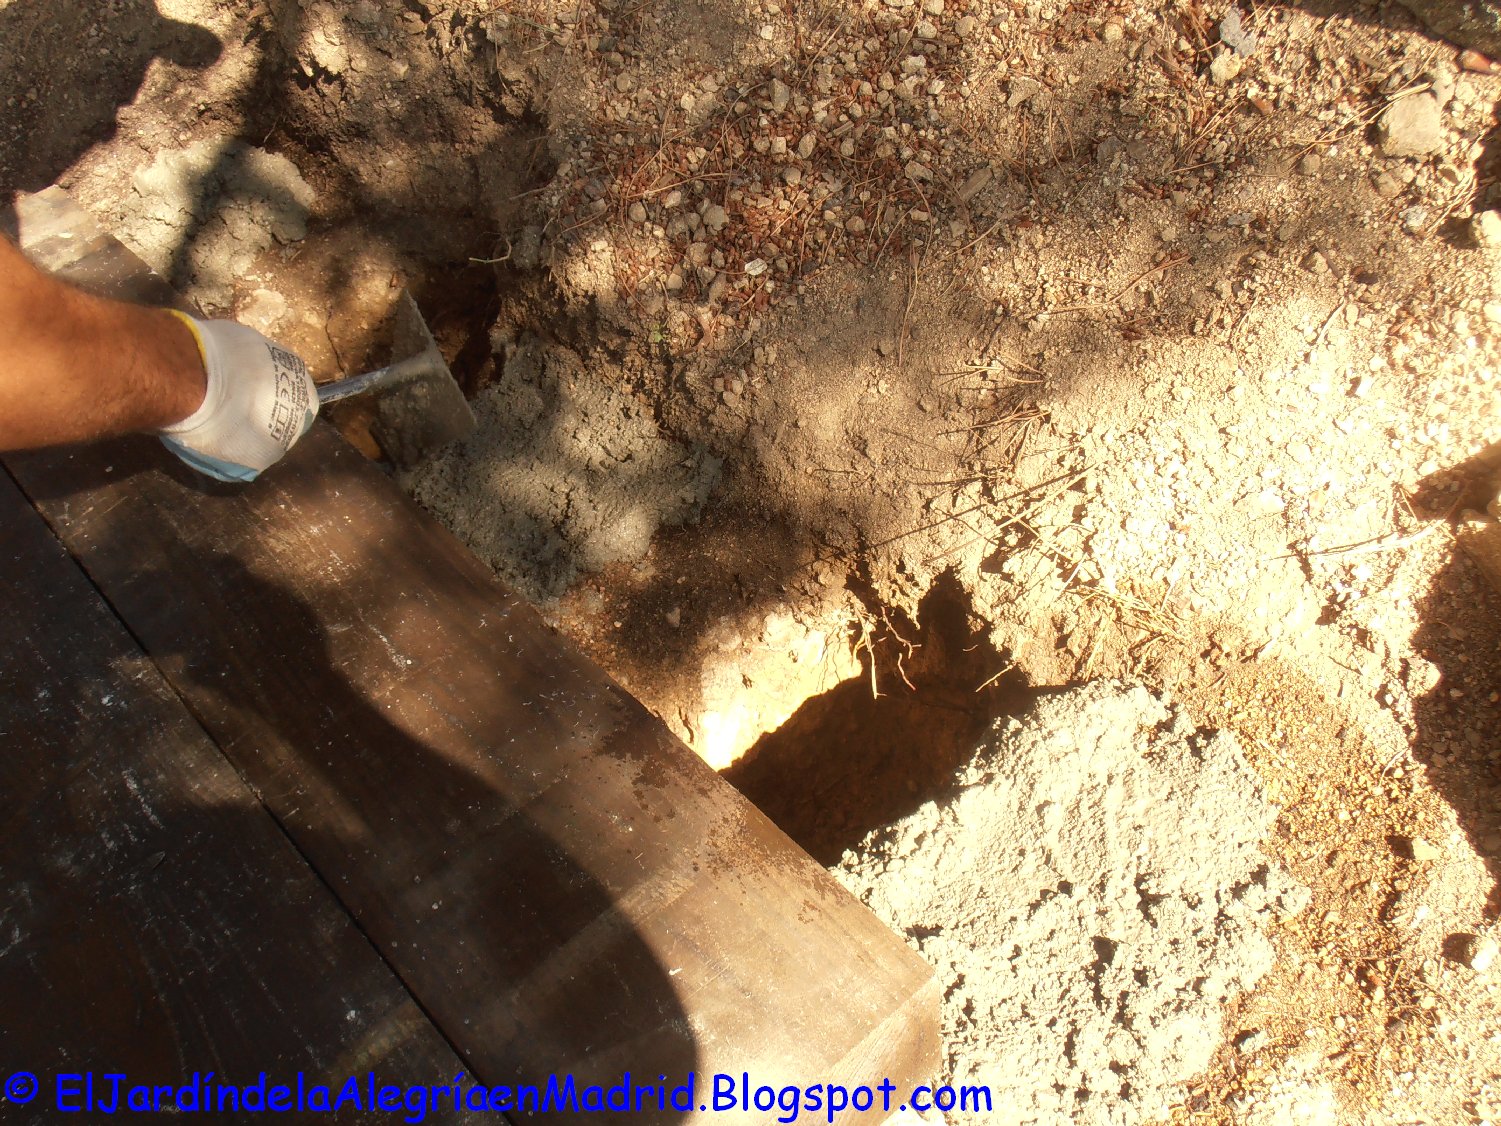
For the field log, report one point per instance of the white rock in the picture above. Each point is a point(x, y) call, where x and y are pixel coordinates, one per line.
point(1411, 126)
point(1481, 954)
point(1485, 229)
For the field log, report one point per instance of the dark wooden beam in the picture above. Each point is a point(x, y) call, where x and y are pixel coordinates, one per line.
point(156, 920)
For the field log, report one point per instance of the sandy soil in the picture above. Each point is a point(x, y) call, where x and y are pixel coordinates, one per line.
point(1032, 343)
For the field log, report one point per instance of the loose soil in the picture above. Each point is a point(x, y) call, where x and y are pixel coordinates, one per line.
point(966, 351)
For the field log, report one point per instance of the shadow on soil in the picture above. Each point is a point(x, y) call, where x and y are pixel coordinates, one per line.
point(874, 748)
point(1458, 739)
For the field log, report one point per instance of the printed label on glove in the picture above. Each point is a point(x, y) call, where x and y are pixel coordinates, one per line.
point(292, 396)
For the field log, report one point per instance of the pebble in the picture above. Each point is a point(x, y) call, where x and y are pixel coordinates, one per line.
point(1387, 186)
point(1225, 67)
point(1414, 219)
point(854, 225)
point(793, 175)
point(638, 212)
point(674, 617)
point(806, 146)
point(974, 183)
point(624, 82)
point(1485, 229)
point(1316, 263)
point(1423, 852)
point(966, 26)
point(1113, 31)
point(781, 94)
point(1479, 953)
point(715, 217)
point(1022, 89)
point(1411, 126)
point(1310, 164)
point(1248, 1043)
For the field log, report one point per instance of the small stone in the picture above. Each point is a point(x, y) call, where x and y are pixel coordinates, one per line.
point(793, 175)
point(1423, 852)
point(1411, 126)
point(974, 183)
point(806, 146)
point(1485, 229)
point(637, 212)
point(1387, 186)
point(933, 7)
point(1250, 1042)
point(1492, 312)
point(1022, 89)
point(1478, 953)
point(885, 347)
point(674, 617)
point(926, 30)
point(624, 82)
point(781, 94)
point(1113, 31)
point(1225, 67)
point(715, 217)
point(916, 170)
point(965, 27)
point(1476, 63)
point(755, 267)
point(1316, 263)
point(854, 225)
point(1414, 219)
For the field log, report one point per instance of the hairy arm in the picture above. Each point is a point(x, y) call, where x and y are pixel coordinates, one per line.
point(74, 367)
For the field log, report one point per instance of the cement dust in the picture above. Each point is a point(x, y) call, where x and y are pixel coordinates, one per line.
point(1092, 897)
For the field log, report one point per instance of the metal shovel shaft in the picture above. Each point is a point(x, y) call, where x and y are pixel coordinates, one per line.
point(413, 367)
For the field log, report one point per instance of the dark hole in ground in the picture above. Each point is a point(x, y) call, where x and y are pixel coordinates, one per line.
point(848, 762)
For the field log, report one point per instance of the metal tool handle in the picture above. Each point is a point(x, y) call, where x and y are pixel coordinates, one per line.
point(388, 376)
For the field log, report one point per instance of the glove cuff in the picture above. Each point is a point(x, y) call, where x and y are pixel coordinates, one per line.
point(213, 395)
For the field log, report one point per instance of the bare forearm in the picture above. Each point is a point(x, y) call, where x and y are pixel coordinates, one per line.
point(74, 367)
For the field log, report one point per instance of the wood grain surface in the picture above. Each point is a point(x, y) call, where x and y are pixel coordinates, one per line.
point(156, 921)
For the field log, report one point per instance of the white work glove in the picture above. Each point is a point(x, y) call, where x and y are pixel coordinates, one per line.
point(260, 400)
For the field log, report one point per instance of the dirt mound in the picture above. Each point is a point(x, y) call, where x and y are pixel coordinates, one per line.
point(1093, 897)
point(565, 474)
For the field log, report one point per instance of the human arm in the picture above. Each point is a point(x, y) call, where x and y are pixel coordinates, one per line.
point(75, 367)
